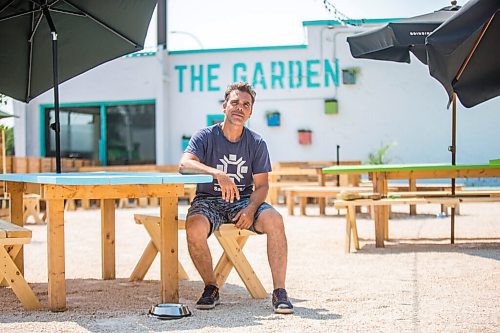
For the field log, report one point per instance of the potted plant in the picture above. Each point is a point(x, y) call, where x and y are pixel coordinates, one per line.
point(349, 75)
point(305, 136)
point(273, 118)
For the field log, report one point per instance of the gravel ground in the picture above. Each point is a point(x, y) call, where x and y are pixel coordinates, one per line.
point(418, 283)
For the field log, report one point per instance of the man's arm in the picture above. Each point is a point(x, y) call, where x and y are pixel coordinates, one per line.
point(190, 164)
point(244, 218)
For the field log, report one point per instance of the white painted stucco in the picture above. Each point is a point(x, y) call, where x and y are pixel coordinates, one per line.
point(390, 103)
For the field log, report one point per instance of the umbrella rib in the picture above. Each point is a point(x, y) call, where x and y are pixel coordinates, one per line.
point(30, 45)
point(476, 44)
point(6, 6)
point(18, 15)
point(35, 28)
point(136, 45)
point(62, 11)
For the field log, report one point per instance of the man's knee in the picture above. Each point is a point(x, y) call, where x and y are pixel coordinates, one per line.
point(197, 227)
point(270, 221)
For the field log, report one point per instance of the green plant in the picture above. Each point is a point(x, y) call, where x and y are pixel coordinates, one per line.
point(9, 139)
point(380, 155)
point(270, 114)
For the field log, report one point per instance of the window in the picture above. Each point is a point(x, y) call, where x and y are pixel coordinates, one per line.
point(115, 133)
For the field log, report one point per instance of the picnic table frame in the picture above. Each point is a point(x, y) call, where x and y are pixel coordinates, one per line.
point(380, 175)
point(106, 186)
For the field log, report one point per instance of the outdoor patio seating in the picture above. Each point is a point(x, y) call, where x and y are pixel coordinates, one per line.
point(230, 238)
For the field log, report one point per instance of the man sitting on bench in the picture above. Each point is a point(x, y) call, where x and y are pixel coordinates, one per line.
point(238, 159)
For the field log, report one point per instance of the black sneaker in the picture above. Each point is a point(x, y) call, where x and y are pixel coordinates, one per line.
point(281, 303)
point(209, 299)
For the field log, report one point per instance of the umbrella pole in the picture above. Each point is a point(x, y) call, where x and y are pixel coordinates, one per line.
point(56, 126)
point(338, 163)
point(453, 161)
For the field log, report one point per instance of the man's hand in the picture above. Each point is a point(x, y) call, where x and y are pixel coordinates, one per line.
point(244, 218)
point(228, 188)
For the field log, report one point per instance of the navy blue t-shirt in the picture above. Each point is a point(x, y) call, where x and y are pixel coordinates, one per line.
point(240, 160)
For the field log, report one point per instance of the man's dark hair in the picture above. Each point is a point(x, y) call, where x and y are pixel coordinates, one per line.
point(241, 86)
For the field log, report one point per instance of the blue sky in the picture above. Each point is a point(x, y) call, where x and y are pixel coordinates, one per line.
point(235, 23)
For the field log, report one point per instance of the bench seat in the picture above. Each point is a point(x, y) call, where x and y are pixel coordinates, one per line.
point(351, 205)
point(305, 192)
point(12, 238)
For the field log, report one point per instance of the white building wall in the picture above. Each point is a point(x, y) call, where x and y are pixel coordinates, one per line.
point(390, 103)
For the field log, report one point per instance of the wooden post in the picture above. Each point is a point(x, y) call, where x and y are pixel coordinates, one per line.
point(55, 255)
point(16, 215)
point(108, 239)
point(412, 187)
point(169, 274)
point(378, 183)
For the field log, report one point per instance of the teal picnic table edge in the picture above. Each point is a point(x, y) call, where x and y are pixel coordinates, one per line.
point(404, 167)
point(106, 178)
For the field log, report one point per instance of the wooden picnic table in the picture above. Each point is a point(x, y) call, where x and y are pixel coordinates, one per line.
point(106, 186)
point(380, 175)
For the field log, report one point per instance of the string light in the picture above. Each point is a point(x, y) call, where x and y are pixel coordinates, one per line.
point(337, 14)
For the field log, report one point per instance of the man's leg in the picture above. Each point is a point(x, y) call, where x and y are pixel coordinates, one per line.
point(197, 229)
point(270, 222)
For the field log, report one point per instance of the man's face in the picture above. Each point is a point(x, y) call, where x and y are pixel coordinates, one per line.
point(238, 107)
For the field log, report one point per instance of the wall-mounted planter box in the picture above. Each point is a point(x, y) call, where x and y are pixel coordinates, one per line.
point(331, 106)
point(305, 136)
point(349, 75)
point(185, 142)
point(273, 118)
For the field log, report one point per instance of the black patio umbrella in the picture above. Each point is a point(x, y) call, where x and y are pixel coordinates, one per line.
point(45, 42)
point(463, 56)
point(464, 53)
point(395, 40)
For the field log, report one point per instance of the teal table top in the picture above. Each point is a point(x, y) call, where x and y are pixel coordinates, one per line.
point(404, 167)
point(105, 178)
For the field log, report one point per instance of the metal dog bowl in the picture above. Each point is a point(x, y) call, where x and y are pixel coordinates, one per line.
point(169, 311)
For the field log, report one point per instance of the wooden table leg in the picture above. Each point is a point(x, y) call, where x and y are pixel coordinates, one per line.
point(321, 201)
point(108, 239)
point(379, 184)
point(412, 187)
point(290, 202)
point(55, 254)
point(169, 256)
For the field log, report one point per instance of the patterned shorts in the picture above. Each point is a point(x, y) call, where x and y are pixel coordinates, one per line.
point(218, 211)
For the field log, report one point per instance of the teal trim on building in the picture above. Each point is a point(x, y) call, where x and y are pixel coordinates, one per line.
point(141, 54)
point(353, 21)
point(214, 119)
point(241, 49)
point(98, 103)
point(103, 154)
point(42, 131)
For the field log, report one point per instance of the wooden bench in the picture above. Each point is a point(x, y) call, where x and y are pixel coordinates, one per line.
point(31, 204)
point(230, 238)
point(12, 238)
point(463, 195)
point(305, 192)
point(351, 205)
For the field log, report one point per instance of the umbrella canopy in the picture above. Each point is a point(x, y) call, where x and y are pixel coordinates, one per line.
point(83, 35)
point(464, 53)
point(395, 40)
point(4, 114)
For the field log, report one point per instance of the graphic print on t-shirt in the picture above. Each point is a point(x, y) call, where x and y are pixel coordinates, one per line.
point(234, 168)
